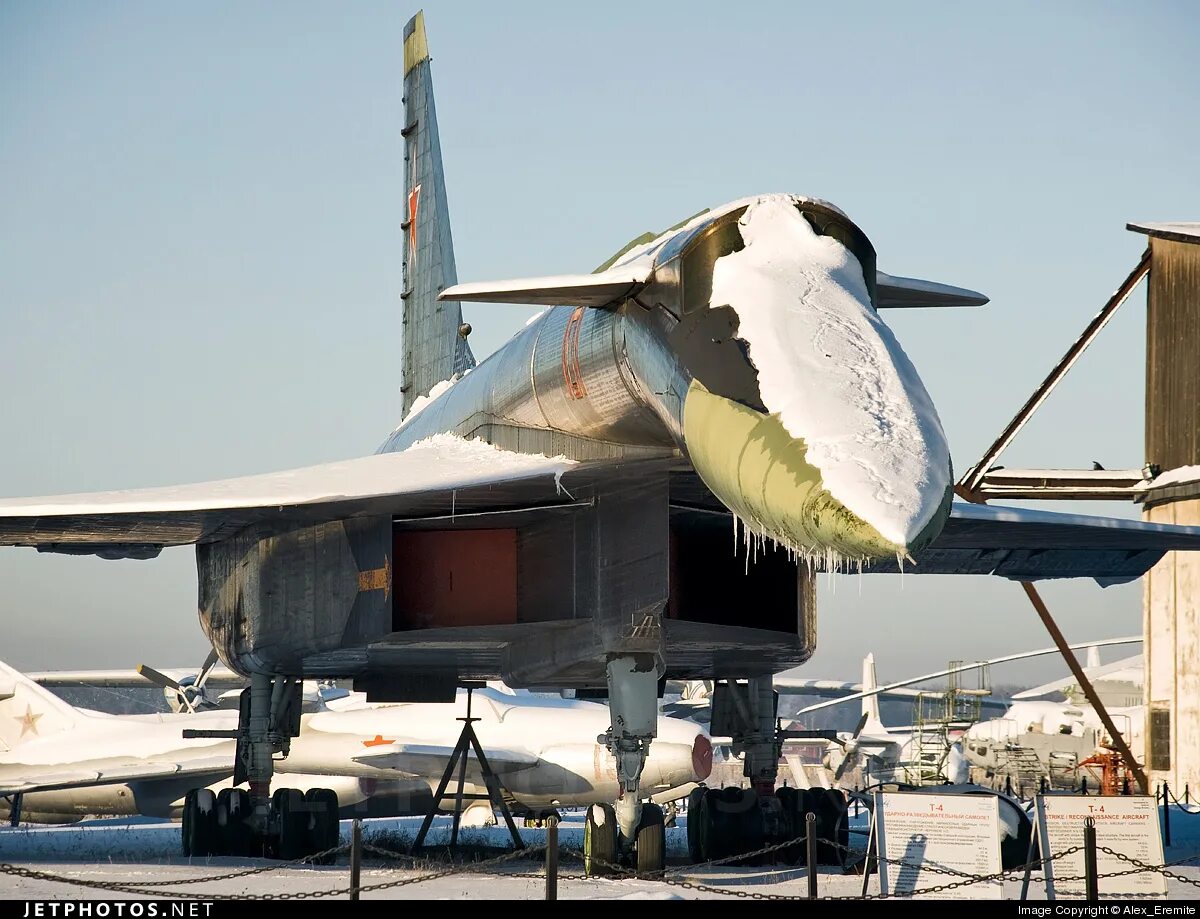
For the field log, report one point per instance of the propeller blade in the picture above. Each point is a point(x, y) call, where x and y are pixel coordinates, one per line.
point(848, 763)
point(862, 723)
point(158, 679)
point(206, 668)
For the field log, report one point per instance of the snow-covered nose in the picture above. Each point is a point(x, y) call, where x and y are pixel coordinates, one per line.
point(849, 461)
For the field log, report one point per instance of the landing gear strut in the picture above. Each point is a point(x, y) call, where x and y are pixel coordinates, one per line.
point(629, 829)
point(288, 824)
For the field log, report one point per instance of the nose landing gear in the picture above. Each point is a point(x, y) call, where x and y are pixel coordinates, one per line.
point(645, 852)
point(628, 832)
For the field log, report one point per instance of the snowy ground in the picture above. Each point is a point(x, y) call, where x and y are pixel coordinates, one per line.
point(523, 881)
point(133, 853)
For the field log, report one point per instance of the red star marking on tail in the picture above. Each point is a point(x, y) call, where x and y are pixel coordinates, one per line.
point(414, 201)
point(29, 721)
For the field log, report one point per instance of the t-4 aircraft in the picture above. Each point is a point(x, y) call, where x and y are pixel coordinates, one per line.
point(642, 483)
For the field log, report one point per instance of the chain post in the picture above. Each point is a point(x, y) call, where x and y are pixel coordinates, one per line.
point(810, 842)
point(1091, 884)
point(355, 857)
point(552, 857)
point(1166, 827)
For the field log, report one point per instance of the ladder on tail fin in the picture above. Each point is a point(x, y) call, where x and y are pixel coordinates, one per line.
point(435, 337)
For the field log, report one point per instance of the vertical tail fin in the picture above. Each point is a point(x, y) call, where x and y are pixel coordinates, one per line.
point(1093, 657)
point(29, 711)
point(435, 347)
point(870, 704)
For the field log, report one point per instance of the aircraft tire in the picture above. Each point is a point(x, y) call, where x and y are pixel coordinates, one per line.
point(324, 826)
point(832, 825)
point(695, 816)
point(751, 833)
point(187, 826)
point(718, 824)
point(791, 803)
point(599, 839)
point(199, 830)
point(651, 840)
point(232, 812)
point(287, 805)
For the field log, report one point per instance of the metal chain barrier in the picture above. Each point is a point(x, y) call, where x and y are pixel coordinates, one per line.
point(662, 872)
point(245, 872)
point(1012, 874)
point(1188, 808)
point(1140, 867)
point(149, 888)
point(673, 876)
point(662, 875)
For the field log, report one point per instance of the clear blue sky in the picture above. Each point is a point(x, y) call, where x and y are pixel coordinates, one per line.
point(200, 243)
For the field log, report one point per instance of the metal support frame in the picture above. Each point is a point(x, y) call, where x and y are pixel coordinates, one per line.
point(872, 861)
point(747, 713)
point(968, 486)
point(15, 802)
point(1035, 845)
point(467, 741)
point(1085, 684)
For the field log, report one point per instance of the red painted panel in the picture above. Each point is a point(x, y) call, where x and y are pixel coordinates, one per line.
point(454, 577)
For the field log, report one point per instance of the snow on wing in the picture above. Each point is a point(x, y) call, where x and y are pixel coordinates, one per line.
point(178, 515)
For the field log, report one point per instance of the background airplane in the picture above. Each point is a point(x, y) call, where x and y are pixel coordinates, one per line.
point(183, 690)
point(560, 514)
point(872, 754)
point(992, 746)
point(67, 763)
point(1038, 739)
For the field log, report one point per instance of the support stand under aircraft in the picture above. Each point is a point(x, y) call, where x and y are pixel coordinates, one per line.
point(467, 743)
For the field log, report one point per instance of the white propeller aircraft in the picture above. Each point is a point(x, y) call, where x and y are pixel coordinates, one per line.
point(887, 756)
point(66, 762)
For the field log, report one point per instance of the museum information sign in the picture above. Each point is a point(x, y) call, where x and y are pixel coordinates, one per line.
point(952, 833)
point(1127, 824)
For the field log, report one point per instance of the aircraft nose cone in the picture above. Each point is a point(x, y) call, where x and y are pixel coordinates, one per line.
point(702, 757)
point(763, 474)
point(849, 461)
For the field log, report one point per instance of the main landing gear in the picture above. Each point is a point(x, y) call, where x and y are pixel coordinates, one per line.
point(726, 822)
point(629, 832)
point(298, 824)
point(288, 824)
